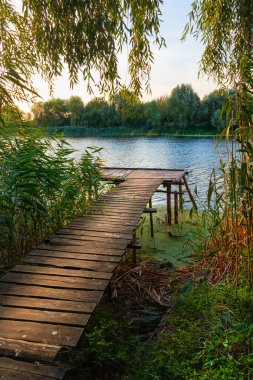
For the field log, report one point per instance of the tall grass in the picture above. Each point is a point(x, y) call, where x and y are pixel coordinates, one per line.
point(41, 187)
point(229, 214)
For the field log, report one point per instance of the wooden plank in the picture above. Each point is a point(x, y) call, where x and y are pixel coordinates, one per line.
point(90, 222)
point(116, 172)
point(96, 234)
point(53, 293)
point(78, 256)
point(47, 304)
point(119, 200)
point(156, 174)
point(72, 239)
point(65, 263)
point(68, 240)
point(116, 210)
point(31, 351)
point(102, 228)
point(52, 372)
point(9, 374)
point(80, 273)
point(40, 332)
point(82, 249)
point(129, 204)
point(45, 316)
point(110, 218)
point(54, 281)
point(112, 212)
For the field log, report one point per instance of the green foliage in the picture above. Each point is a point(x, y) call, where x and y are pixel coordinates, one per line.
point(75, 109)
point(40, 37)
point(225, 29)
point(208, 336)
point(41, 188)
point(181, 107)
point(106, 351)
point(181, 112)
point(212, 109)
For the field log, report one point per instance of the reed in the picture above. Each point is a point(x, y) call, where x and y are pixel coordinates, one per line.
point(41, 188)
point(229, 214)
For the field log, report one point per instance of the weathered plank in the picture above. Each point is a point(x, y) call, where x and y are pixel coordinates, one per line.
point(108, 228)
point(9, 374)
point(79, 240)
point(78, 256)
point(52, 372)
point(40, 332)
point(80, 273)
point(67, 263)
point(47, 304)
point(53, 293)
point(130, 220)
point(54, 281)
point(94, 234)
point(30, 351)
point(45, 316)
point(82, 249)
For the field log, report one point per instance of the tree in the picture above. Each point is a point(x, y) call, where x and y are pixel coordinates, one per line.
point(51, 113)
point(98, 114)
point(152, 114)
point(38, 113)
point(126, 104)
point(225, 29)
point(211, 113)
point(75, 110)
point(84, 35)
point(182, 106)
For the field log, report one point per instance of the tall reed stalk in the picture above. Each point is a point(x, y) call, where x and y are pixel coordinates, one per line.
point(229, 212)
point(41, 187)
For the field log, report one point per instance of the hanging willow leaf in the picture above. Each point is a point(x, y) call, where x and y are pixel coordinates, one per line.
point(86, 36)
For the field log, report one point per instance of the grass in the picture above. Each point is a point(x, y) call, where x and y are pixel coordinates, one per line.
point(206, 335)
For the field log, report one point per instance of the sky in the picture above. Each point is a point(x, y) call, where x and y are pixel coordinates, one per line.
point(176, 64)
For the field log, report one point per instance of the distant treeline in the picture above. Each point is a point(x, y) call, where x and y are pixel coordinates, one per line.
point(183, 112)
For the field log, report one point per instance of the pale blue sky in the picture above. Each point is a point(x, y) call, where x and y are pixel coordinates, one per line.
point(175, 64)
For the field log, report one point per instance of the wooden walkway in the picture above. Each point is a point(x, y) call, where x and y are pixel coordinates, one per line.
point(46, 302)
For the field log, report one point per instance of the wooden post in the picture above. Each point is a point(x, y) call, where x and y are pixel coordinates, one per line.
point(176, 207)
point(180, 192)
point(189, 192)
point(151, 220)
point(134, 257)
point(169, 204)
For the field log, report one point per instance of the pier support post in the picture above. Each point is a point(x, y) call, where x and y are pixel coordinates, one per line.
point(151, 219)
point(189, 192)
point(180, 189)
point(168, 216)
point(176, 207)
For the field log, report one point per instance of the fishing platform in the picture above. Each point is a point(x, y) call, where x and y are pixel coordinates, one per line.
point(46, 302)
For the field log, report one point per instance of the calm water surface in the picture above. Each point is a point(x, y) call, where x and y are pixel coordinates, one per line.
point(196, 154)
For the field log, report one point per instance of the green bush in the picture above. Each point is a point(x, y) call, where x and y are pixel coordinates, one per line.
point(107, 351)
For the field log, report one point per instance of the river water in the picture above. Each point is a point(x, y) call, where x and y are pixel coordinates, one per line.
point(196, 154)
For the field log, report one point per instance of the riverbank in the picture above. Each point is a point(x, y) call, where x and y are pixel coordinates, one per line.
point(72, 131)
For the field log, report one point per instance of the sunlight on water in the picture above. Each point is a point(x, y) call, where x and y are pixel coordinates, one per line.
point(196, 154)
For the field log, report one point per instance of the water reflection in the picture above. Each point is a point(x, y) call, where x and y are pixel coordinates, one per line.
point(195, 154)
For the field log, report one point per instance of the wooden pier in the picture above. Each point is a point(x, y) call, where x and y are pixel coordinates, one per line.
point(46, 301)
